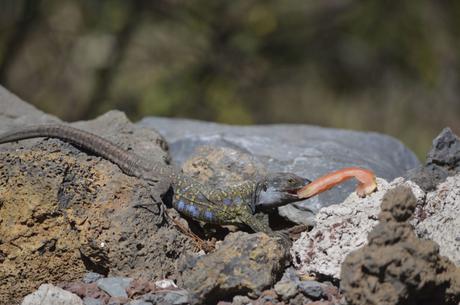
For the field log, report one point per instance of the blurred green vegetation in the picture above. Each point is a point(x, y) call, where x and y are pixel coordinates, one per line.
point(387, 66)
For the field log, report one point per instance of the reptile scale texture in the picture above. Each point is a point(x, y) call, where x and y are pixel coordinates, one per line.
point(233, 205)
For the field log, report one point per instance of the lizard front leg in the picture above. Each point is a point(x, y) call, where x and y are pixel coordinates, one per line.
point(259, 225)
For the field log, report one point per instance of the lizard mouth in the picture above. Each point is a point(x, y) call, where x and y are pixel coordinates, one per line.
point(293, 192)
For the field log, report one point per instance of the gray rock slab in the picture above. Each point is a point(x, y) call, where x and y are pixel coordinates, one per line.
point(91, 277)
point(312, 289)
point(308, 151)
point(51, 295)
point(115, 286)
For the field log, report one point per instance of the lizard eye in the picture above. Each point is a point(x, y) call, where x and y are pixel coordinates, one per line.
point(290, 180)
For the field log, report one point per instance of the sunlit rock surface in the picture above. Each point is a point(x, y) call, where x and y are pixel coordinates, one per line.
point(64, 211)
point(396, 267)
point(341, 229)
point(308, 151)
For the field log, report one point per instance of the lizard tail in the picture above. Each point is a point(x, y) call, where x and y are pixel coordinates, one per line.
point(129, 163)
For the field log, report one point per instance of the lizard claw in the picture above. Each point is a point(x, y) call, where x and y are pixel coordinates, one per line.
point(161, 210)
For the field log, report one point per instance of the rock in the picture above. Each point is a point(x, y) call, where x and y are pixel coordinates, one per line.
point(115, 286)
point(339, 230)
point(396, 267)
point(443, 160)
point(290, 274)
point(241, 300)
point(117, 301)
point(51, 295)
point(312, 289)
point(286, 289)
point(174, 297)
point(140, 302)
point(290, 286)
point(91, 277)
point(439, 218)
point(87, 291)
point(243, 263)
point(67, 212)
point(14, 111)
point(299, 299)
point(305, 150)
point(446, 150)
point(92, 301)
point(268, 296)
point(165, 284)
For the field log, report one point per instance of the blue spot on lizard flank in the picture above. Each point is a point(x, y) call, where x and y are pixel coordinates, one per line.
point(208, 215)
point(181, 205)
point(193, 210)
point(227, 201)
point(201, 198)
point(238, 200)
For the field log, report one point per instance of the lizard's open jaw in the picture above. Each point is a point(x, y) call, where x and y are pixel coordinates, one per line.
point(294, 192)
point(269, 197)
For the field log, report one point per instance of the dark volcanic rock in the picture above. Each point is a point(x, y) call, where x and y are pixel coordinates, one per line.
point(243, 263)
point(443, 160)
point(305, 150)
point(446, 150)
point(64, 212)
point(396, 267)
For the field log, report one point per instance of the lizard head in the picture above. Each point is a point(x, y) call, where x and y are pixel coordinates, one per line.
point(278, 189)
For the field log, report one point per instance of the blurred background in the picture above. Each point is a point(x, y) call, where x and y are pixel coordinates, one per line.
point(386, 66)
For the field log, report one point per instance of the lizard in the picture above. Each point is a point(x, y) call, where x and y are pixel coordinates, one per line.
point(234, 205)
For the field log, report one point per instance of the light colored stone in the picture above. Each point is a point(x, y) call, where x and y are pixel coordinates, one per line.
point(440, 218)
point(51, 295)
point(165, 284)
point(340, 229)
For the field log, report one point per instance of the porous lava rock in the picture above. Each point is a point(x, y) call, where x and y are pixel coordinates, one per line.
point(443, 160)
point(341, 229)
point(242, 264)
point(438, 219)
point(396, 267)
point(64, 211)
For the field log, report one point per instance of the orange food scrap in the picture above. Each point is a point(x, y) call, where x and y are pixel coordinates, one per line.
point(367, 182)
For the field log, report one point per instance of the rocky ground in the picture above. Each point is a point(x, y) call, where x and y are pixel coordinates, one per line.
point(70, 233)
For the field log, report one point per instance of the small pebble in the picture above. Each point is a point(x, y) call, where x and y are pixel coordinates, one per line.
point(312, 289)
point(241, 300)
point(286, 289)
point(165, 284)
